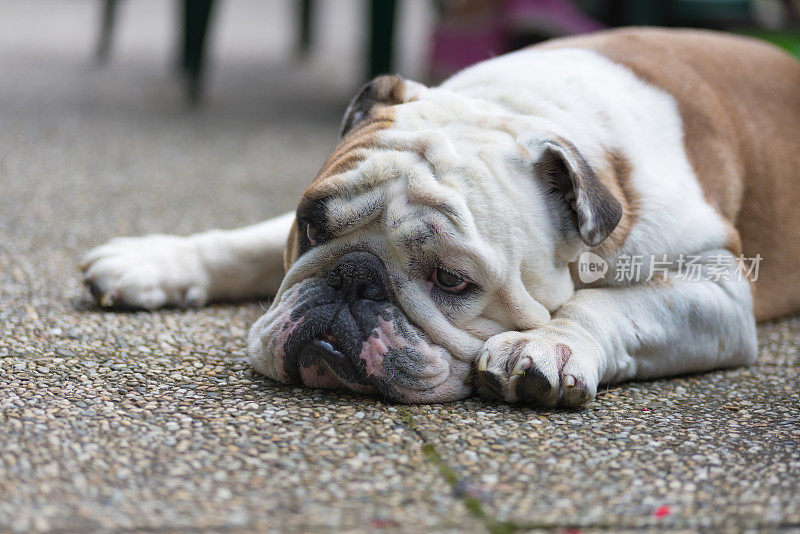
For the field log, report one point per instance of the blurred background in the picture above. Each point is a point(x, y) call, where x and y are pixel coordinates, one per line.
point(213, 49)
point(360, 39)
point(237, 102)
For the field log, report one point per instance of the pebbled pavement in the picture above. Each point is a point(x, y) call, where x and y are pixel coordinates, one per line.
point(153, 421)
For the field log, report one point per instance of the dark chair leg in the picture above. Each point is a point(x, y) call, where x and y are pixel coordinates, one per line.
point(381, 19)
point(196, 16)
point(106, 30)
point(306, 20)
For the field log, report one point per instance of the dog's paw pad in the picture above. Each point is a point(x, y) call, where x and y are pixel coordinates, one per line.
point(534, 387)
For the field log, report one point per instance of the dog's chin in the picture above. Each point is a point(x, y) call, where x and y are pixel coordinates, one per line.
point(366, 347)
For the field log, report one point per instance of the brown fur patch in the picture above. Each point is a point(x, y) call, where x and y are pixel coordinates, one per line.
point(361, 136)
point(739, 101)
point(350, 152)
point(369, 113)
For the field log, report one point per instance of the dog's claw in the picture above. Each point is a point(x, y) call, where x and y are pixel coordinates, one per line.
point(523, 364)
point(575, 392)
point(483, 361)
point(107, 300)
point(512, 387)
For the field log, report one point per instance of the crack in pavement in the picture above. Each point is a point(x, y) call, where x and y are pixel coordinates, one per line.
point(472, 504)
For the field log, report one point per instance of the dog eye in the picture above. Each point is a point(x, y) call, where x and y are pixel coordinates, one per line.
point(448, 281)
point(311, 233)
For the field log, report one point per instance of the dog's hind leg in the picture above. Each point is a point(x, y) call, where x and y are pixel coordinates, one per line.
point(658, 328)
point(166, 270)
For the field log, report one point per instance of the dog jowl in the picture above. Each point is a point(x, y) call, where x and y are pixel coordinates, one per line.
point(344, 330)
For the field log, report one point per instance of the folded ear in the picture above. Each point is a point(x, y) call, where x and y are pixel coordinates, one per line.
point(387, 90)
point(562, 166)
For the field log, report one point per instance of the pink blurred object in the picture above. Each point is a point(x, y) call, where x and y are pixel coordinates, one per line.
point(547, 17)
point(456, 48)
point(485, 28)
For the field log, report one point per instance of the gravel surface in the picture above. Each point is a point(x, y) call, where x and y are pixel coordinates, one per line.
point(153, 421)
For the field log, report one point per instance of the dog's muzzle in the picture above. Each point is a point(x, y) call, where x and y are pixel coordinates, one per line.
point(357, 284)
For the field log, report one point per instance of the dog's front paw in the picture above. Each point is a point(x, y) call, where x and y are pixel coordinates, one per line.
point(146, 272)
point(536, 368)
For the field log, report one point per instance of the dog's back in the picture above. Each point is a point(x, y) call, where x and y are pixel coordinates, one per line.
point(739, 100)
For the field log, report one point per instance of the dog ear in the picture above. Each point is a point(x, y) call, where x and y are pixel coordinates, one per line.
point(565, 170)
point(387, 90)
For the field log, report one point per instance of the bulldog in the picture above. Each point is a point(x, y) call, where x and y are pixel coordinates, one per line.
point(440, 250)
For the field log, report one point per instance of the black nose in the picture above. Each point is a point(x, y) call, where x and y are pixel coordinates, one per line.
point(359, 276)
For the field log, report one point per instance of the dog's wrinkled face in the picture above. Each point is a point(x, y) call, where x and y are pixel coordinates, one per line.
point(423, 235)
point(346, 329)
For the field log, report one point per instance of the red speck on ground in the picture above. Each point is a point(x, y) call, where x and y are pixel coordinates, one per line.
point(662, 511)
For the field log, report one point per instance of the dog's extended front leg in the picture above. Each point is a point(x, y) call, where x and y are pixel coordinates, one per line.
point(605, 335)
point(167, 270)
